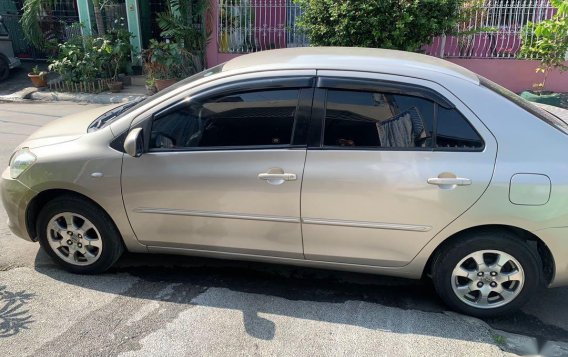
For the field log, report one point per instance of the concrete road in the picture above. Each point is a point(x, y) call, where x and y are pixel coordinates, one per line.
point(178, 306)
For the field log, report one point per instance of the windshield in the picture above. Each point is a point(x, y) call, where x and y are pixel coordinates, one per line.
point(538, 112)
point(116, 113)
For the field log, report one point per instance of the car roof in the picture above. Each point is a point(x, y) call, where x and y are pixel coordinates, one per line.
point(350, 58)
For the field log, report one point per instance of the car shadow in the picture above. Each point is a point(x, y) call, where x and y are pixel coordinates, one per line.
point(301, 286)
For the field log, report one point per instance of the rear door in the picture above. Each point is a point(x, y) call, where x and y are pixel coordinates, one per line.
point(391, 161)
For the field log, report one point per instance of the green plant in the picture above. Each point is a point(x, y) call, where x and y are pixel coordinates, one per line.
point(472, 13)
point(168, 60)
point(30, 21)
point(499, 340)
point(36, 71)
point(87, 58)
point(150, 82)
point(184, 24)
point(395, 24)
point(119, 48)
point(547, 41)
point(35, 10)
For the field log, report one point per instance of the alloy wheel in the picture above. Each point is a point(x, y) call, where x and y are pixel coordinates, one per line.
point(488, 279)
point(74, 238)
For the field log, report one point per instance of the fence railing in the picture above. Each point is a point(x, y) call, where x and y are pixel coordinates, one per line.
point(256, 25)
point(56, 29)
point(487, 29)
point(114, 15)
point(491, 29)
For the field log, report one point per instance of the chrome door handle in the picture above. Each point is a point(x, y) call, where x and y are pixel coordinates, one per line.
point(276, 176)
point(449, 181)
point(285, 176)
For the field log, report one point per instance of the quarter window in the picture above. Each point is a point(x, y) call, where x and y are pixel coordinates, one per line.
point(454, 131)
point(261, 118)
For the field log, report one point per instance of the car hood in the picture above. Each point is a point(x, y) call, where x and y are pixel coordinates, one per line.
point(65, 129)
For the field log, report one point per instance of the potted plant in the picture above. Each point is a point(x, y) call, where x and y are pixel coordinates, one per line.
point(151, 86)
point(166, 60)
point(39, 78)
point(117, 51)
point(549, 45)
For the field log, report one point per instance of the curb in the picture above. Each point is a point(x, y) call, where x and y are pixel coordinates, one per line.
point(32, 93)
point(103, 98)
point(19, 96)
point(514, 343)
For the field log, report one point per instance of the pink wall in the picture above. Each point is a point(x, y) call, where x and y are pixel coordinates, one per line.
point(515, 75)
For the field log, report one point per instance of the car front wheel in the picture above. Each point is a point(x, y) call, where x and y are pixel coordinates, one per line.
point(487, 273)
point(79, 235)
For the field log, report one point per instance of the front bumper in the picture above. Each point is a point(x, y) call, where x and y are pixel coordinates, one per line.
point(16, 197)
point(14, 62)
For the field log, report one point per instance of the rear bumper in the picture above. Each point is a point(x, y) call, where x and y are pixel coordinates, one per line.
point(16, 197)
point(557, 241)
point(14, 62)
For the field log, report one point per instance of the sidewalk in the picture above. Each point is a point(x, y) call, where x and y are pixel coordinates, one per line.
point(127, 94)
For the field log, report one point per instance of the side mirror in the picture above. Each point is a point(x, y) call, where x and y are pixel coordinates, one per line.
point(134, 143)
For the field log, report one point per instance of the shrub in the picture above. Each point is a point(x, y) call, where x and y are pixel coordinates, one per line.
point(169, 60)
point(550, 43)
point(395, 24)
point(84, 59)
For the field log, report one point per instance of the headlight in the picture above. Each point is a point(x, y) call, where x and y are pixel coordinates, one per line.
point(21, 161)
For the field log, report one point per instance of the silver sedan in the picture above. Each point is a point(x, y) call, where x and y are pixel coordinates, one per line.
point(365, 160)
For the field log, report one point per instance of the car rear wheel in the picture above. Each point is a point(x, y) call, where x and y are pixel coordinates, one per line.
point(487, 273)
point(79, 235)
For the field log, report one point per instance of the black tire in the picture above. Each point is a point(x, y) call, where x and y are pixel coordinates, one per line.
point(501, 240)
point(4, 69)
point(112, 246)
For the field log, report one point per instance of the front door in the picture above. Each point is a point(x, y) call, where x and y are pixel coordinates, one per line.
point(396, 163)
point(223, 172)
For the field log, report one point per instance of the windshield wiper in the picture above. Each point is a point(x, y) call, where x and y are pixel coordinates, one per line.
point(104, 119)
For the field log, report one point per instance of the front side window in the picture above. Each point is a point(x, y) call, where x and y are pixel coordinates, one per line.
point(260, 118)
point(377, 120)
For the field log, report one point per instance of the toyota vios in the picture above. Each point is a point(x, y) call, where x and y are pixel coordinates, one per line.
point(365, 160)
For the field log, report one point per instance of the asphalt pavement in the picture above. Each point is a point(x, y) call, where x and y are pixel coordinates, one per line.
point(150, 305)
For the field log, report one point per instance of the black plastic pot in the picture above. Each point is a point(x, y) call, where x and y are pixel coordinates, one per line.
point(544, 97)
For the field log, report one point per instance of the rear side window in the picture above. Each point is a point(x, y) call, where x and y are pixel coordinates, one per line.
point(360, 119)
point(377, 120)
point(261, 118)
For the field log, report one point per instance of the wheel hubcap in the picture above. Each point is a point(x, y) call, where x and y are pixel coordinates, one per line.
point(488, 279)
point(74, 238)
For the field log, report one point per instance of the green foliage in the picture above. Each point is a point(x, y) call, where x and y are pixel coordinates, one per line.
point(184, 24)
point(83, 59)
point(547, 41)
point(168, 60)
point(395, 24)
point(30, 21)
